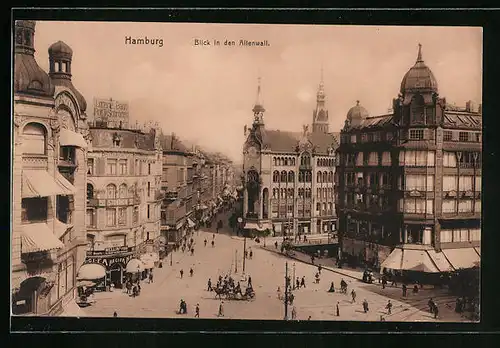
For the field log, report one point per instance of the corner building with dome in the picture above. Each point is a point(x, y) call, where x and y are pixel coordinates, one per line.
point(288, 177)
point(50, 138)
point(409, 182)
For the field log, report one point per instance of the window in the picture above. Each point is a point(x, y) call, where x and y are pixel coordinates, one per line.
point(431, 159)
point(415, 182)
point(430, 183)
point(373, 159)
point(359, 159)
point(34, 139)
point(447, 136)
point(449, 159)
point(122, 216)
point(449, 206)
point(353, 138)
point(415, 158)
point(111, 191)
point(463, 136)
point(414, 206)
point(291, 177)
point(416, 134)
point(477, 137)
point(465, 183)
point(111, 169)
point(149, 189)
point(123, 166)
point(478, 184)
point(386, 158)
point(123, 191)
point(276, 175)
point(477, 206)
point(430, 207)
point(283, 176)
point(90, 218)
point(135, 215)
point(148, 211)
point(475, 234)
point(90, 166)
point(149, 168)
point(275, 190)
point(34, 209)
point(318, 206)
point(465, 206)
point(90, 191)
point(363, 137)
point(446, 236)
point(111, 217)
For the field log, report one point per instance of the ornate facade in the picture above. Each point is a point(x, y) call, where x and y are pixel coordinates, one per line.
point(409, 182)
point(288, 177)
point(49, 176)
point(124, 169)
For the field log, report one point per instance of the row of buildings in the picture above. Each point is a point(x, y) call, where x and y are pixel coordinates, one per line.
point(401, 190)
point(93, 199)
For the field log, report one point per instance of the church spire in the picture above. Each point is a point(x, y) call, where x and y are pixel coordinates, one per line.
point(258, 109)
point(320, 114)
point(419, 56)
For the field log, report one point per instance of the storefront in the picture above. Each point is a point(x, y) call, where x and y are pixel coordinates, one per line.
point(114, 260)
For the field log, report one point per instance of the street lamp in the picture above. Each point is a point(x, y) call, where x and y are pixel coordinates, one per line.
point(293, 279)
point(171, 253)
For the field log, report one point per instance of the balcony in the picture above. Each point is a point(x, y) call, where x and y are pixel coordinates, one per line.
point(112, 202)
point(171, 195)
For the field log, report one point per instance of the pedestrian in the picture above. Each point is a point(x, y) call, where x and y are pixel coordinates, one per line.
point(312, 259)
point(221, 309)
point(436, 311)
point(294, 313)
point(251, 253)
point(297, 283)
point(338, 310)
point(197, 311)
point(213, 244)
point(415, 288)
point(192, 251)
point(213, 236)
point(303, 282)
point(353, 295)
point(209, 285)
point(249, 282)
point(365, 305)
point(404, 289)
point(191, 241)
point(205, 242)
point(151, 277)
point(389, 307)
point(279, 293)
point(309, 318)
point(115, 314)
point(382, 318)
point(384, 281)
point(431, 305)
point(276, 245)
point(191, 272)
point(181, 272)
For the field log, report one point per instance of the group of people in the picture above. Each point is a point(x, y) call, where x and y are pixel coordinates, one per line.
point(133, 288)
point(228, 284)
point(213, 241)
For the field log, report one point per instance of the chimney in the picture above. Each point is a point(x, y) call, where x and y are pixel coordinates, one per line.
point(470, 106)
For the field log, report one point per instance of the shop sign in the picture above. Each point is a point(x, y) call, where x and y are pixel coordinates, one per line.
point(110, 251)
point(109, 261)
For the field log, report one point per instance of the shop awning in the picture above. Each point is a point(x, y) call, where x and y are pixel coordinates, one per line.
point(148, 263)
point(256, 226)
point(440, 261)
point(70, 138)
point(151, 256)
point(478, 250)
point(134, 266)
point(418, 260)
point(38, 237)
point(85, 283)
point(39, 183)
point(60, 228)
point(190, 222)
point(91, 271)
point(463, 257)
point(71, 309)
point(393, 261)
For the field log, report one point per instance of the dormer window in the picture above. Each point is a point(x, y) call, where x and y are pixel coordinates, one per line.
point(116, 140)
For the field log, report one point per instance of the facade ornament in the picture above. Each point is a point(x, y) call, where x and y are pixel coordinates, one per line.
point(83, 116)
point(55, 125)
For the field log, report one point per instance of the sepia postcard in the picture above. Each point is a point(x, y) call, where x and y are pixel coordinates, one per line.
point(246, 171)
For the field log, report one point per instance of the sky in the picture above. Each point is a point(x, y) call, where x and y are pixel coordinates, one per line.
point(205, 94)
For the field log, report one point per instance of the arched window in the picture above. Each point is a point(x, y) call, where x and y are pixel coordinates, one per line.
point(318, 177)
point(291, 176)
point(282, 193)
point(308, 193)
point(283, 176)
point(274, 161)
point(324, 206)
point(286, 161)
point(330, 176)
point(290, 193)
point(90, 191)
point(318, 162)
point(325, 177)
point(318, 206)
point(111, 191)
point(308, 176)
point(301, 193)
point(293, 161)
point(330, 206)
point(123, 190)
point(274, 192)
point(34, 139)
point(318, 193)
point(325, 191)
point(276, 176)
point(417, 109)
point(301, 176)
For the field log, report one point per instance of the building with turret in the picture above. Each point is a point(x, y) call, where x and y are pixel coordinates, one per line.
point(408, 183)
point(48, 179)
point(288, 176)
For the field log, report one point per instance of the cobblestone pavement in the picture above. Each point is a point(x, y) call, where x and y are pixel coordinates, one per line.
point(161, 298)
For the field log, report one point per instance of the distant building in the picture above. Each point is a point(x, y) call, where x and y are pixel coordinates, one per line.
point(124, 198)
point(409, 182)
point(289, 177)
point(49, 176)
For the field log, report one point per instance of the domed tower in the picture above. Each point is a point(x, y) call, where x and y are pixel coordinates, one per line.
point(320, 115)
point(416, 104)
point(60, 57)
point(29, 78)
point(356, 115)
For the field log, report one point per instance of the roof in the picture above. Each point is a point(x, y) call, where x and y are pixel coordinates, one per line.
point(460, 119)
point(82, 103)
point(60, 49)
point(29, 78)
point(357, 112)
point(282, 141)
point(419, 77)
point(172, 143)
point(373, 122)
point(103, 137)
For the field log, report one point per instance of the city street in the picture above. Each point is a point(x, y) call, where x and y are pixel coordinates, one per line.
point(161, 298)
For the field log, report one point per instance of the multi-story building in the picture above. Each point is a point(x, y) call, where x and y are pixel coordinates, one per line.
point(123, 199)
point(177, 184)
point(288, 176)
point(409, 182)
point(48, 181)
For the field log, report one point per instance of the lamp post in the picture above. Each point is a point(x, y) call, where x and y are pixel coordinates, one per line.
point(171, 252)
point(286, 291)
point(244, 253)
point(236, 261)
point(293, 279)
